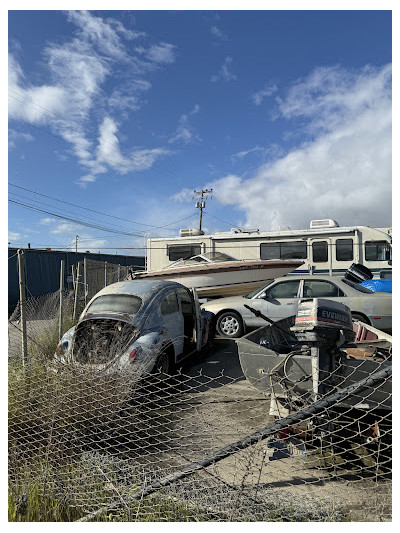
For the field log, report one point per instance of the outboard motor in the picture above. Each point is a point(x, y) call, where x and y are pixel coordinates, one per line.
point(324, 326)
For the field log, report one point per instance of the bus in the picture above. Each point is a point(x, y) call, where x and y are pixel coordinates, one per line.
point(325, 247)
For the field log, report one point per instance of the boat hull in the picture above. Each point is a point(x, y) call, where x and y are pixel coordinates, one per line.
point(234, 278)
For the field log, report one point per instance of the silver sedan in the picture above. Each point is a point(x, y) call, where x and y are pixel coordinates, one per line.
point(279, 299)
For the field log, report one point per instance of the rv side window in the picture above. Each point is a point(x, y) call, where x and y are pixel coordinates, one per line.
point(270, 250)
point(283, 250)
point(320, 252)
point(294, 250)
point(377, 251)
point(183, 251)
point(344, 250)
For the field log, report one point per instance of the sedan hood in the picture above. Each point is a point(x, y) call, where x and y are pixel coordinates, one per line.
point(225, 301)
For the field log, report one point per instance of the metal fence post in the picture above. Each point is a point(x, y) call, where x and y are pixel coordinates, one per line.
point(60, 325)
point(77, 282)
point(85, 288)
point(22, 300)
point(105, 273)
point(119, 272)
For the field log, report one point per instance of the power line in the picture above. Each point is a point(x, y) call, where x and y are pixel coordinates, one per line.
point(76, 221)
point(99, 212)
point(224, 221)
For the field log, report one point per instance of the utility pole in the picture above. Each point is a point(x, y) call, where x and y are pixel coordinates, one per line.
point(200, 204)
point(76, 243)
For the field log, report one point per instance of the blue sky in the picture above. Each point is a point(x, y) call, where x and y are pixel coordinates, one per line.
point(115, 117)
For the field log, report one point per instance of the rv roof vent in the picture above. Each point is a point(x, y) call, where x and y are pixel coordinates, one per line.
point(326, 223)
point(191, 232)
point(244, 230)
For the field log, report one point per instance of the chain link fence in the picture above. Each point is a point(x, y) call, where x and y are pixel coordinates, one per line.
point(200, 445)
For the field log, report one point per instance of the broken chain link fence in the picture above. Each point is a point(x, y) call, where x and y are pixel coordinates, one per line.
point(195, 446)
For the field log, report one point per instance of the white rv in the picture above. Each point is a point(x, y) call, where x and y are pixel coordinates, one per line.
point(325, 248)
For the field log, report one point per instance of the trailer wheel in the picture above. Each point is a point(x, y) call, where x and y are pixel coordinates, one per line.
point(230, 324)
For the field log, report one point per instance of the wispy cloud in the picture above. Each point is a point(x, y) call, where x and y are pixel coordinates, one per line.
point(161, 53)
point(14, 236)
point(259, 96)
point(77, 72)
point(14, 136)
point(218, 33)
point(225, 73)
point(108, 155)
point(185, 131)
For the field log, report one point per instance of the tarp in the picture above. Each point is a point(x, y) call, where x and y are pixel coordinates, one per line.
point(378, 285)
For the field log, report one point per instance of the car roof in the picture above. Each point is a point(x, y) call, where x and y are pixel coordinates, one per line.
point(144, 288)
point(309, 276)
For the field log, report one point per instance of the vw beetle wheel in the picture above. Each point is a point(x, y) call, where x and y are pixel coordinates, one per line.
point(163, 364)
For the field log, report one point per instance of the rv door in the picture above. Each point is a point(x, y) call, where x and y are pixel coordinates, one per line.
point(320, 256)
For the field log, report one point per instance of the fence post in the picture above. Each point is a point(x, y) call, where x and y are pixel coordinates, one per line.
point(119, 272)
point(22, 301)
point(60, 325)
point(105, 273)
point(73, 276)
point(85, 288)
point(77, 282)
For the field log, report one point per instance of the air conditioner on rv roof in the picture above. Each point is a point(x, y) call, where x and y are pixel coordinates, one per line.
point(326, 223)
point(191, 232)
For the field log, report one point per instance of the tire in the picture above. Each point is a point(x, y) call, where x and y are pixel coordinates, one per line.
point(361, 318)
point(230, 324)
point(163, 364)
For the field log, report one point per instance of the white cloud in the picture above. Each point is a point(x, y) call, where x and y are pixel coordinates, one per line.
point(77, 71)
point(185, 131)
point(225, 73)
point(145, 158)
point(242, 154)
point(14, 136)
point(83, 181)
point(259, 96)
point(217, 32)
point(14, 236)
point(161, 53)
point(343, 172)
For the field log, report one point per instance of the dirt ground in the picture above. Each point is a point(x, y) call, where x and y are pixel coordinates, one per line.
point(234, 409)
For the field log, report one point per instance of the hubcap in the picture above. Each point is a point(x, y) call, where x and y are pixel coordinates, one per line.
point(229, 325)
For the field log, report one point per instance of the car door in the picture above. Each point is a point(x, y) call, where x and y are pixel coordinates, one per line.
point(173, 321)
point(279, 301)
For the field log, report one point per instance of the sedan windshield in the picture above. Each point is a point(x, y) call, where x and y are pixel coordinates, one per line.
point(357, 286)
point(125, 304)
point(252, 294)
